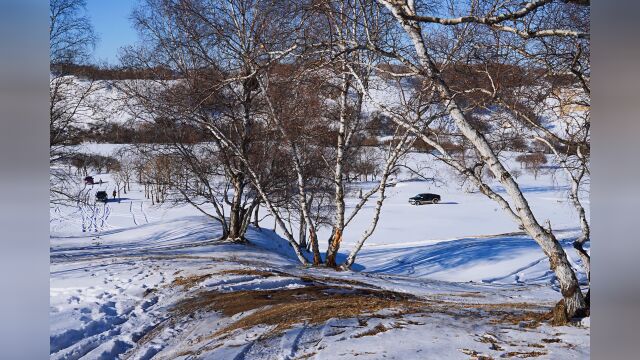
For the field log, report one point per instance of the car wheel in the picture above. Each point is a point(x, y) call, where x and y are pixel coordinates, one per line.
point(436, 200)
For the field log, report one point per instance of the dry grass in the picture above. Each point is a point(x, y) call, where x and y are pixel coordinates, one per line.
point(248, 272)
point(282, 308)
point(306, 356)
point(550, 341)
point(189, 281)
point(157, 329)
point(380, 328)
point(527, 319)
point(476, 355)
point(330, 280)
point(468, 294)
point(325, 299)
point(523, 354)
point(491, 339)
point(285, 307)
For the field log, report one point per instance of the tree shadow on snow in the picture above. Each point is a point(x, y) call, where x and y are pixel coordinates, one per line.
point(448, 255)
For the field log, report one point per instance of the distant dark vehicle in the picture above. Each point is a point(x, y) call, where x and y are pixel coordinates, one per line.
point(424, 199)
point(89, 180)
point(101, 196)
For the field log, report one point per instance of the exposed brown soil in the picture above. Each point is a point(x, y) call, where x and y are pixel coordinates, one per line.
point(470, 294)
point(286, 307)
point(189, 281)
point(523, 354)
point(527, 319)
point(328, 280)
point(549, 341)
point(248, 272)
point(327, 298)
point(476, 355)
point(373, 331)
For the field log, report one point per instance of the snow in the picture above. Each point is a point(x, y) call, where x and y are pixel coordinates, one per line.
point(113, 290)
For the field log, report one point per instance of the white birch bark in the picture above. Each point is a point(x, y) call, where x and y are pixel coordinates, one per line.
point(574, 301)
point(574, 193)
point(338, 225)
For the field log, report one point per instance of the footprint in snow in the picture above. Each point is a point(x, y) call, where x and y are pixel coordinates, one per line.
point(109, 308)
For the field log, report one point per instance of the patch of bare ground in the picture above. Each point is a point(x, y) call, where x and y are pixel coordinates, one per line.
point(324, 299)
point(248, 272)
point(306, 356)
point(317, 303)
point(153, 332)
point(492, 340)
point(523, 354)
point(526, 319)
point(380, 328)
point(476, 355)
point(468, 294)
point(549, 341)
point(522, 314)
point(149, 291)
point(283, 308)
point(190, 281)
point(330, 281)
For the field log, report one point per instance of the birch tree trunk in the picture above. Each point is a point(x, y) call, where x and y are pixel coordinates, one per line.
point(338, 225)
point(304, 204)
point(574, 197)
point(265, 198)
point(586, 231)
point(573, 300)
point(306, 220)
point(235, 215)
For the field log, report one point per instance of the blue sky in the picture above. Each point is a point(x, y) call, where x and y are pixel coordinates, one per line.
point(110, 19)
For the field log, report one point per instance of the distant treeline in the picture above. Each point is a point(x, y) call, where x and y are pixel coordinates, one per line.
point(461, 74)
point(144, 133)
point(95, 72)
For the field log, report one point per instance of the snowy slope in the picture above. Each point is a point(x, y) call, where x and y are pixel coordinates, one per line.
point(115, 288)
point(113, 295)
point(466, 237)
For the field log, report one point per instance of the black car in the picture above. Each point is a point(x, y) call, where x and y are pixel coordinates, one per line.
point(424, 199)
point(102, 196)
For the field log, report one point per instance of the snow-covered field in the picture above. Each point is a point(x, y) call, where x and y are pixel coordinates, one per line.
point(446, 281)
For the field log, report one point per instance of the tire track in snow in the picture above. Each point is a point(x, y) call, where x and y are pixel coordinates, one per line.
point(144, 213)
point(133, 216)
point(515, 272)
